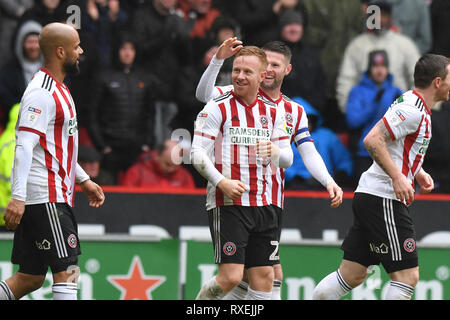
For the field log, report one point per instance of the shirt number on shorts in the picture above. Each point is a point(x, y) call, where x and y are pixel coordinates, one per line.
point(274, 255)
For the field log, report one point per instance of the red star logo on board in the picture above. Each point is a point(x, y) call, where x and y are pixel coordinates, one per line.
point(136, 285)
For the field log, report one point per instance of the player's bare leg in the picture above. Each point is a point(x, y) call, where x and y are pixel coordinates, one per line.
point(277, 281)
point(228, 276)
point(338, 283)
point(19, 285)
point(402, 284)
point(261, 282)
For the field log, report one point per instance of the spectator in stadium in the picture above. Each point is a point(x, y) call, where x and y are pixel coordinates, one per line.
point(305, 61)
point(163, 40)
point(17, 72)
point(412, 18)
point(45, 12)
point(122, 109)
point(106, 20)
point(10, 13)
point(368, 102)
point(402, 52)
point(90, 160)
point(334, 153)
point(7, 146)
point(259, 18)
point(440, 23)
point(159, 168)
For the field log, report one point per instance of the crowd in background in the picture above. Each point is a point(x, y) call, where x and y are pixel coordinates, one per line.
point(143, 59)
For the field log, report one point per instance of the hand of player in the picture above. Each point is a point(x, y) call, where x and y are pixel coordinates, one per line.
point(267, 149)
point(403, 188)
point(94, 193)
point(228, 48)
point(335, 194)
point(233, 189)
point(13, 213)
point(425, 181)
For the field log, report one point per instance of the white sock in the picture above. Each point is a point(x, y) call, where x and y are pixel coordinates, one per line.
point(238, 293)
point(64, 291)
point(5, 292)
point(210, 291)
point(332, 287)
point(399, 291)
point(276, 290)
point(258, 295)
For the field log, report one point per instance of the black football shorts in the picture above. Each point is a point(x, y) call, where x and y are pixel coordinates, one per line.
point(245, 235)
point(46, 237)
point(382, 232)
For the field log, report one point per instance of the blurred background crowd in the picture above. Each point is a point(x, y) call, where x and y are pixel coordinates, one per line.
point(143, 59)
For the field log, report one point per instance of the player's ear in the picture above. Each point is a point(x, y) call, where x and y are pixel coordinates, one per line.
point(263, 75)
point(60, 52)
point(288, 69)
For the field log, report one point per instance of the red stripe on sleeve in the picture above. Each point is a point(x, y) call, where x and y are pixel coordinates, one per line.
point(388, 128)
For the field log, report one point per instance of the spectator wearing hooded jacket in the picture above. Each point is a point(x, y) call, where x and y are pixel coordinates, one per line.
point(334, 153)
point(122, 110)
point(368, 102)
point(18, 71)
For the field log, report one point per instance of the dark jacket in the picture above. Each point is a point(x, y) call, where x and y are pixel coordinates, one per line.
point(163, 43)
point(307, 78)
point(122, 108)
point(367, 103)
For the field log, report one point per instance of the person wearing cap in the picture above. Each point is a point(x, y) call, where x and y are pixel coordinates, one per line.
point(90, 160)
point(307, 78)
point(368, 102)
point(402, 51)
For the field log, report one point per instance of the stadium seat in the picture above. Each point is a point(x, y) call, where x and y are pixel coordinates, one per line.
point(194, 233)
point(91, 229)
point(148, 230)
point(290, 235)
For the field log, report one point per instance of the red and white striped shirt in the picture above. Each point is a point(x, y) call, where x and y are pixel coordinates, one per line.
point(297, 128)
point(408, 121)
point(231, 128)
point(47, 109)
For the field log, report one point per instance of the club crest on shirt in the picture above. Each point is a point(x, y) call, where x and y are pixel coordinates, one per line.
point(264, 121)
point(289, 119)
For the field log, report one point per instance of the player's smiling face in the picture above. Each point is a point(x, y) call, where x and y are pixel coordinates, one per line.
point(278, 67)
point(246, 76)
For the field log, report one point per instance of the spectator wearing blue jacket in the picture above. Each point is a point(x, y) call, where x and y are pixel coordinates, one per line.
point(368, 102)
point(334, 153)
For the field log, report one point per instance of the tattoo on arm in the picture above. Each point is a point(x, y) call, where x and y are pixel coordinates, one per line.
point(379, 143)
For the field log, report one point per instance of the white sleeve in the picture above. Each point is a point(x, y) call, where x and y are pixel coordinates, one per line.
point(282, 139)
point(206, 131)
point(80, 174)
point(23, 156)
point(36, 110)
point(314, 163)
point(205, 89)
point(401, 119)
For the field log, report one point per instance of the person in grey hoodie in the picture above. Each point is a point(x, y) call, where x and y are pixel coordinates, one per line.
point(18, 71)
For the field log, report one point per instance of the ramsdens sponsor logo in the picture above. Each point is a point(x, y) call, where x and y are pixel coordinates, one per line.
point(247, 136)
